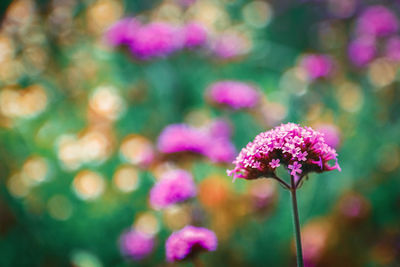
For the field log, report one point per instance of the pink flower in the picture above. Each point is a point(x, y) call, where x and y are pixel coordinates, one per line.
point(361, 51)
point(156, 39)
point(135, 244)
point(181, 137)
point(122, 32)
point(189, 241)
point(287, 142)
point(175, 186)
point(274, 163)
point(377, 21)
point(194, 34)
point(215, 146)
point(317, 66)
point(295, 167)
point(236, 95)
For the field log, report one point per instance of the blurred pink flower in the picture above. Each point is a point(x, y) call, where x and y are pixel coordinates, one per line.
point(156, 39)
point(182, 137)
point(122, 32)
point(361, 51)
point(189, 241)
point(135, 244)
point(194, 34)
point(174, 186)
point(177, 138)
point(234, 94)
point(317, 66)
point(377, 21)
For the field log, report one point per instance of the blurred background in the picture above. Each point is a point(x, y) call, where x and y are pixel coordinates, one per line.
point(81, 112)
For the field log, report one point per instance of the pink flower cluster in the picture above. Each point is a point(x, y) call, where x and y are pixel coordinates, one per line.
point(136, 244)
point(189, 241)
point(177, 138)
point(374, 23)
point(317, 66)
point(233, 94)
point(377, 21)
point(155, 39)
point(300, 149)
point(175, 186)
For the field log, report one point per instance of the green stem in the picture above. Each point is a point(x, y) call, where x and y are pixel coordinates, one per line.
point(299, 253)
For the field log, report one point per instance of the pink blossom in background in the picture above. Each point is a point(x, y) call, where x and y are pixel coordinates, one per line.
point(377, 21)
point(181, 137)
point(194, 34)
point(331, 134)
point(189, 241)
point(136, 245)
point(361, 51)
point(300, 149)
point(234, 94)
point(122, 32)
point(215, 146)
point(392, 49)
point(317, 66)
point(156, 39)
point(174, 186)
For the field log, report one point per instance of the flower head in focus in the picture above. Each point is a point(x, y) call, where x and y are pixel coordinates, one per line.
point(300, 149)
point(174, 186)
point(189, 241)
point(136, 244)
point(234, 94)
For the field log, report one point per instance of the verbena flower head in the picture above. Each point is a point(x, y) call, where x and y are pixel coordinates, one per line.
point(136, 244)
point(122, 32)
point(174, 186)
point(156, 39)
point(377, 21)
point(234, 94)
point(317, 66)
point(300, 149)
point(195, 35)
point(361, 51)
point(189, 241)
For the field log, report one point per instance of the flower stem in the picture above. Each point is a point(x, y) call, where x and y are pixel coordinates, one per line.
point(299, 253)
point(197, 262)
